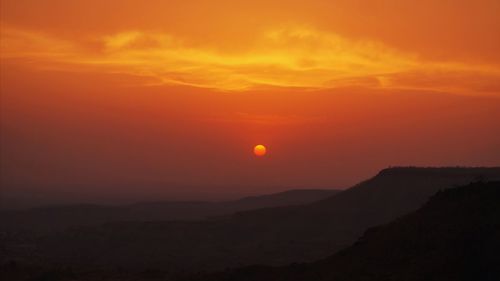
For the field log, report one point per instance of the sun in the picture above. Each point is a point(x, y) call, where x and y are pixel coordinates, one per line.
point(260, 150)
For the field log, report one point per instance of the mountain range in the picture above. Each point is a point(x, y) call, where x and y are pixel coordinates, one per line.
point(60, 217)
point(272, 236)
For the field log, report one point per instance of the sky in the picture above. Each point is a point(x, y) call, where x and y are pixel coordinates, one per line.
point(139, 100)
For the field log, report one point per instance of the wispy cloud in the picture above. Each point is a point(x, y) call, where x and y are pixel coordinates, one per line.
point(286, 57)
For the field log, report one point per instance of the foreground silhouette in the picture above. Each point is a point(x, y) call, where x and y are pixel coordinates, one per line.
point(272, 236)
point(455, 236)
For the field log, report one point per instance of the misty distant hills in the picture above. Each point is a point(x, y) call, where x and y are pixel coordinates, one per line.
point(272, 236)
point(55, 218)
point(454, 236)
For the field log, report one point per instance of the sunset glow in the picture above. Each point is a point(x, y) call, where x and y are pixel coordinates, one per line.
point(105, 94)
point(292, 56)
point(248, 140)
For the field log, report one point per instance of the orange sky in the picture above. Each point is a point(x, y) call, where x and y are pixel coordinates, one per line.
point(134, 98)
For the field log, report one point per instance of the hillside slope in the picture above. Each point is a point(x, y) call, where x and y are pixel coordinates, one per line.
point(455, 236)
point(273, 236)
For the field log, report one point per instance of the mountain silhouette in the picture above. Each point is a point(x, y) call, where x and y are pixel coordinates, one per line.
point(272, 236)
point(56, 218)
point(454, 236)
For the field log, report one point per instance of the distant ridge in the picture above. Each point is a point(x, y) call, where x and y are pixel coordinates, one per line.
point(272, 236)
point(59, 217)
point(454, 236)
point(442, 171)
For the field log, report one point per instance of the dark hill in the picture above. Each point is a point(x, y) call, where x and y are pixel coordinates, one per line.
point(309, 232)
point(455, 236)
point(273, 236)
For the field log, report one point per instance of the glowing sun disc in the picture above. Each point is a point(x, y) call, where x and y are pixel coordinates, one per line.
point(259, 150)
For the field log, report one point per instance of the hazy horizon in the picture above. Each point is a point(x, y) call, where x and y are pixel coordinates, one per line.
point(25, 197)
point(29, 197)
